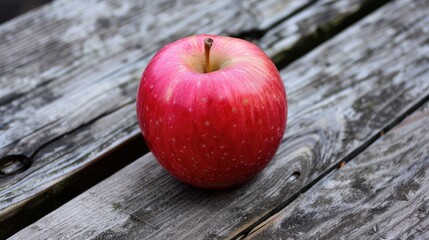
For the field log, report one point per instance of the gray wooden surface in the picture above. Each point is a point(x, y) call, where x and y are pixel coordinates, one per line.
point(75, 67)
point(381, 194)
point(342, 95)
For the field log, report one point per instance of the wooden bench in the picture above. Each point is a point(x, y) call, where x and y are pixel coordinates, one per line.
point(354, 162)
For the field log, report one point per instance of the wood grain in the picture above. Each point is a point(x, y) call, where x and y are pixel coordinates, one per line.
point(381, 194)
point(78, 75)
point(340, 95)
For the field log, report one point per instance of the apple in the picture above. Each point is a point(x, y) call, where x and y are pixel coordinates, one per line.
point(212, 110)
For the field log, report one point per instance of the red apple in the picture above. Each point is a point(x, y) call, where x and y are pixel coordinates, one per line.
point(212, 123)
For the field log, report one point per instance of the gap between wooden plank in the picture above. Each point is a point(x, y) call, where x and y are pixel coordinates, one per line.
point(323, 33)
point(261, 222)
point(365, 198)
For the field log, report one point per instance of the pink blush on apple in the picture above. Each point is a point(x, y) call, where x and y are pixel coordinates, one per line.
point(212, 109)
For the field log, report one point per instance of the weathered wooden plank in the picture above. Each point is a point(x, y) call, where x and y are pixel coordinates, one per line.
point(340, 95)
point(381, 194)
point(78, 78)
point(83, 33)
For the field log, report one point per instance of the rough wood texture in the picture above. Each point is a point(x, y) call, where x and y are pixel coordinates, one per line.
point(341, 94)
point(77, 76)
point(381, 194)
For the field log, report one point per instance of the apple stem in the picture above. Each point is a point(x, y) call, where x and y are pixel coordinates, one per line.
point(208, 42)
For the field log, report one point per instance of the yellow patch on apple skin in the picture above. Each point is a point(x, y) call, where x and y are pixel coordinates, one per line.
point(245, 102)
point(170, 89)
point(168, 93)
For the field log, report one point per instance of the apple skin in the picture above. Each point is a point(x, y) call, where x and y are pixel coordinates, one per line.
point(217, 129)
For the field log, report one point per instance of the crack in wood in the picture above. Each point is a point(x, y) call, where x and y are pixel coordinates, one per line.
point(26, 161)
point(145, 222)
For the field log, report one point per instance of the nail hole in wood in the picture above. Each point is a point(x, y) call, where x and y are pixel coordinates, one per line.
point(14, 164)
point(294, 176)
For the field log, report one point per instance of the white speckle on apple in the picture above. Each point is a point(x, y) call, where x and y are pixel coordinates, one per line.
point(248, 102)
